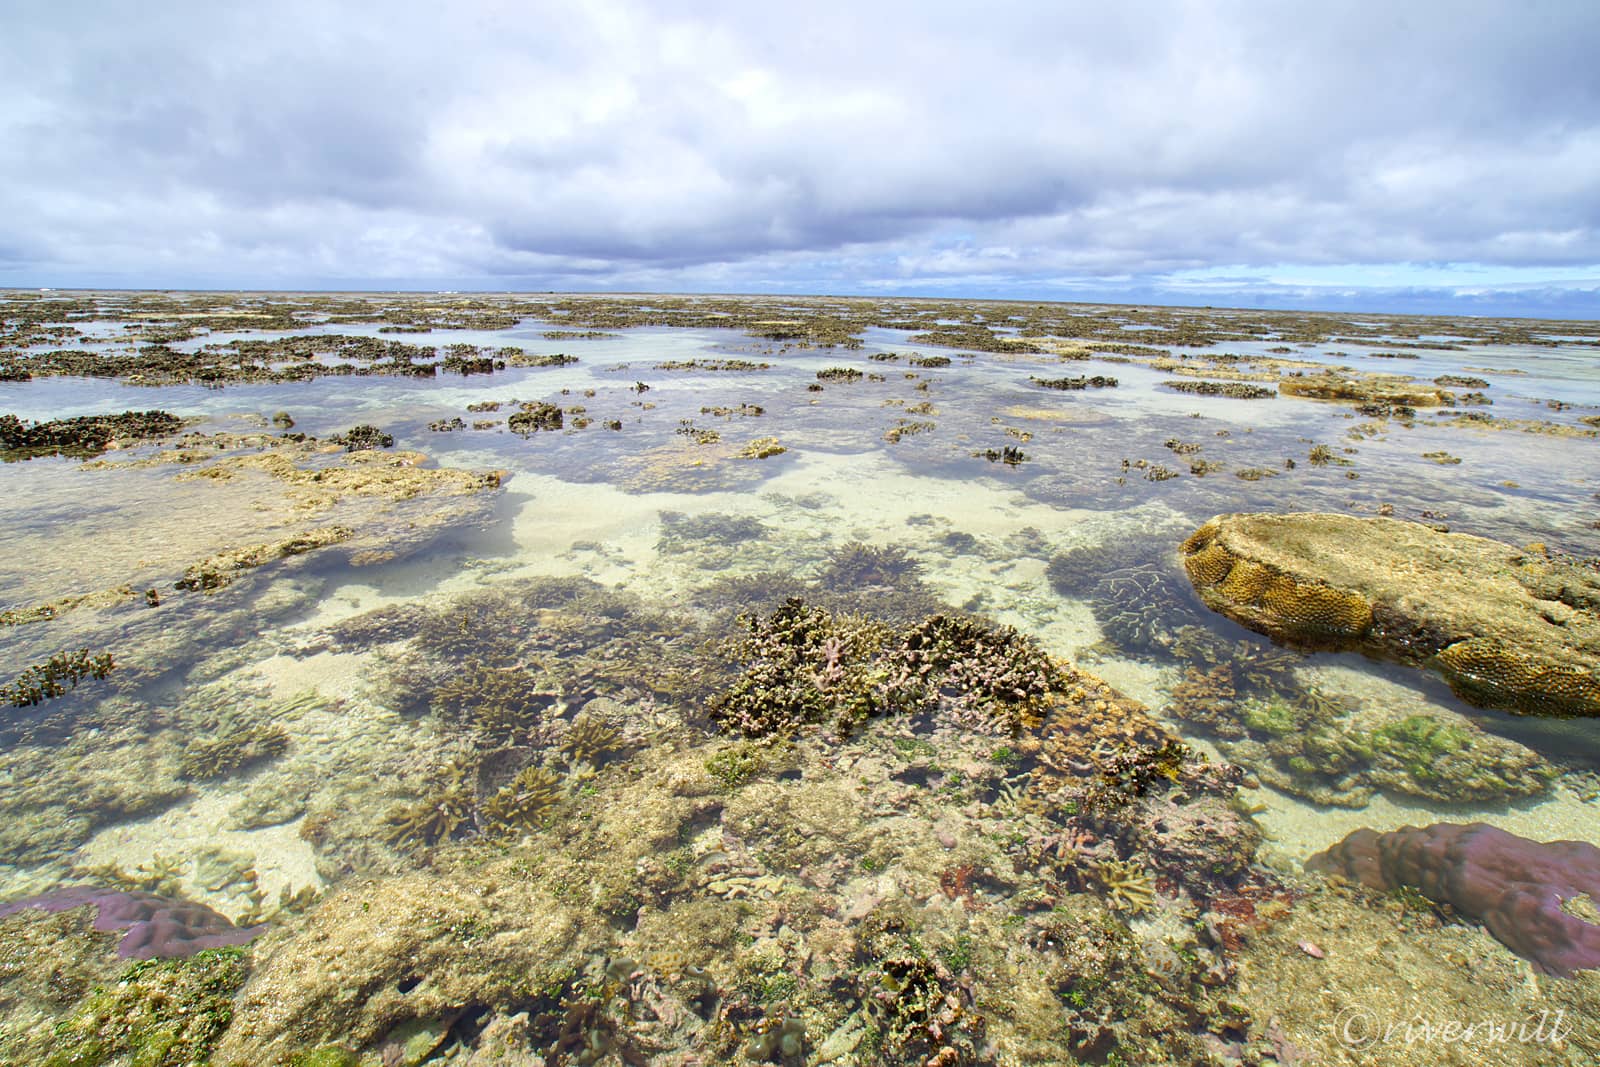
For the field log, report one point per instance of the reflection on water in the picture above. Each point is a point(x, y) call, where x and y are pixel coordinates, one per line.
point(669, 745)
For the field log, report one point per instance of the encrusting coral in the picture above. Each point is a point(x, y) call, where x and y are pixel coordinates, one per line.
point(156, 926)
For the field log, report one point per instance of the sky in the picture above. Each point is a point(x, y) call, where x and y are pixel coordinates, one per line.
point(1438, 156)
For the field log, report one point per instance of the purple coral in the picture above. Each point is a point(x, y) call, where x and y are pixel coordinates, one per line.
point(156, 926)
point(1514, 886)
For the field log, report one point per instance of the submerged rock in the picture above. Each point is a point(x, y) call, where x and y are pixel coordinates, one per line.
point(379, 955)
point(85, 435)
point(1520, 889)
point(1505, 628)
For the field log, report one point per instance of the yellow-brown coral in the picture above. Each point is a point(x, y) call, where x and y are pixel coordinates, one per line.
point(1128, 886)
point(1485, 672)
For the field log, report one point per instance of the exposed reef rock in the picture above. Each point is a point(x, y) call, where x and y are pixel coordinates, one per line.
point(1506, 628)
point(1519, 889)
point(157, 927)
point(86, 435)
point(378, 955)
point(1364, 389)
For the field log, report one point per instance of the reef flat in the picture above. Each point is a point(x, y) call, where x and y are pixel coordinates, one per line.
point(542, 680)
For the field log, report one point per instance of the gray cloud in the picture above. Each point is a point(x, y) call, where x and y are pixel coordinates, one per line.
point(850, 145)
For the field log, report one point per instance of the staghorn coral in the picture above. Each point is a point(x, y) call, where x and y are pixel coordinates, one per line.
point(233, 750)
point(858, 564)
point(445, 809)
point(58, 675)
point(502, 703)
point(523, 803)
point(1517, 888)
point(590, 740)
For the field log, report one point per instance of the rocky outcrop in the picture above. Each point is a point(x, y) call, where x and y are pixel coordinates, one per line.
point(1507, 628)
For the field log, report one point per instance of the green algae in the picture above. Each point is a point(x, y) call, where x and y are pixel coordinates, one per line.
point(160, 1013)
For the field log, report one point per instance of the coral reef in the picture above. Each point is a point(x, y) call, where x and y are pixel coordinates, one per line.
point(158, 1013)
point(58, 675)
point(523, 803)
point(233, 750)
point(917, 1007)
point(535, 416)
point(762, 448)
point(216, 572)
point(1236, 390)
point(1362, 389)
point(1519, 889)
point(805, 665)
point(157, 926)
point(445, 809)
point(85, 435)
point(1097, 381)
point(1127, 886)
point(377, 955)
point(363, 438)
point(1333, 750)
point(857, 564)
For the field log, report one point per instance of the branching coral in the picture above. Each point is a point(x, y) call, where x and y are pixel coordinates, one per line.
point(858, 564)
point(805, 665)
point(525, 802)
point(233, 750)
point(58, 675)
point(442, 812)
point(591, 741)
point(1128, 886)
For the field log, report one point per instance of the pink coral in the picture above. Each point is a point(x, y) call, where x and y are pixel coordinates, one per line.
point(1516, 887)
point(156, 926)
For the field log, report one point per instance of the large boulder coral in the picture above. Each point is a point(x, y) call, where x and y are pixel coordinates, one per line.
point(1521, 890)
point(1506, 628)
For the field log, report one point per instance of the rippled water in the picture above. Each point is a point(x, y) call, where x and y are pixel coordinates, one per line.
point(669, 891)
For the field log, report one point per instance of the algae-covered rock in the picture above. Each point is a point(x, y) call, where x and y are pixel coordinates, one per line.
point(1506, 628)
point(379, 955)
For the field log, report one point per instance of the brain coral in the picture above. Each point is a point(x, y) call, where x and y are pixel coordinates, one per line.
point(1506, 628)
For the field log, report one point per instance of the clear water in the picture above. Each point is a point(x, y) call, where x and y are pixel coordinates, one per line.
point(782, 901)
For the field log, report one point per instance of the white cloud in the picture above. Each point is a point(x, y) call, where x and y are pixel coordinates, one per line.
point(618, 141)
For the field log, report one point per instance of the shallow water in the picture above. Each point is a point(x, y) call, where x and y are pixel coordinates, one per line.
point(807, 888)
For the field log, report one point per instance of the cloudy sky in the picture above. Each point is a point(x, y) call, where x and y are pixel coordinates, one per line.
point(1415, 155)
